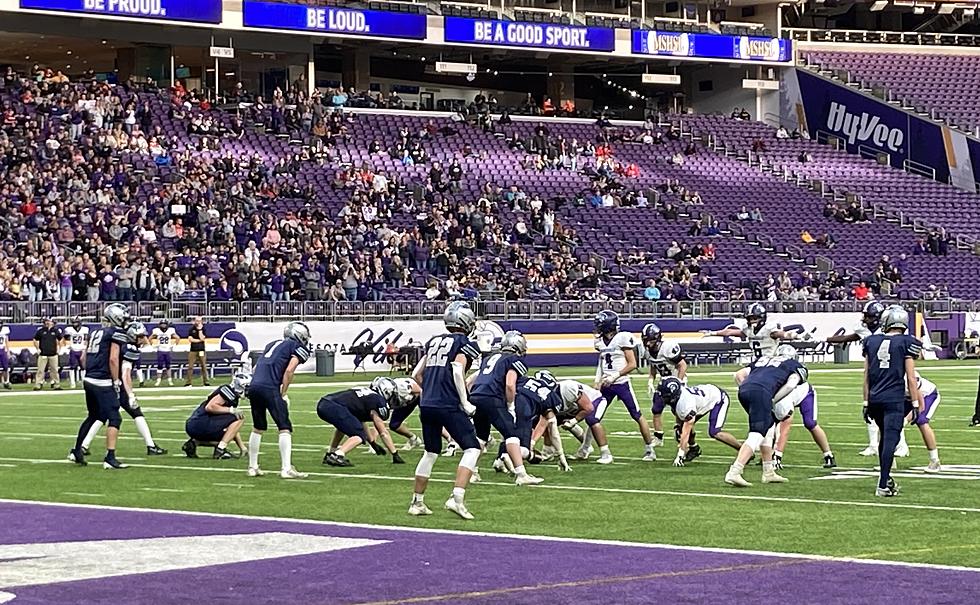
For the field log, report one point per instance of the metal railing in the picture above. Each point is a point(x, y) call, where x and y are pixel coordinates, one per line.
point(263, 310)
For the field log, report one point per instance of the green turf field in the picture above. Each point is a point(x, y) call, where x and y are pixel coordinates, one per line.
point(936, 519)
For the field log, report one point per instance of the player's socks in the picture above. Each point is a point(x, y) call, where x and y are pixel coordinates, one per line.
point(458, 494)
point(578, 432)
point(144, 430)
point(520, 471)
point(222, 445)
point(934, 455)
point(418, 498)
point(90, 436)
point(286, 450)
point(737, 467)
point(587, 439)
point(254, 442)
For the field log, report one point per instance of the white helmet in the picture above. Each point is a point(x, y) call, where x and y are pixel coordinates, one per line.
point(298, 331)
point(787, 351)
point(384, 386)
point(895, 316)
point(135, 331)
point(404, 390)
point(570, 391)
point(241, 381)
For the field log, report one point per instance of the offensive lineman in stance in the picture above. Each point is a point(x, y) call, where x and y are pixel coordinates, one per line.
point(665, 360)
point(445, 404)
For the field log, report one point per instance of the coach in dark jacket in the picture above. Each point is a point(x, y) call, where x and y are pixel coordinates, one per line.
point(46, 340)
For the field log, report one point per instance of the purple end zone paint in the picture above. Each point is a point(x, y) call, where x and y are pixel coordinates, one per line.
point(470, 568)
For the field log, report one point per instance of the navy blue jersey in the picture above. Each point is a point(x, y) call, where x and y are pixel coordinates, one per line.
point(438, 388)
point(97, 354)
point(771, 373)
point(491, 380)
point(361, 402)
point(271, 368)
point(538, 397)
point(886, 355)
point(131, 353)
point(229, 399)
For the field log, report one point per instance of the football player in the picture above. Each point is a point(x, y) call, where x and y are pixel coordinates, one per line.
point(102, 383)
point(493, 390)
point(348, 410)
point(445, 404)
point(930, 402)
point(664, 360)
point(219, 419)
point(617, 360)
point(538, 404)
point(890, 387)
point(164, 337)
point(587, 404)
point(770, 379)
point(136, 334)
point(691, 404)
point(870, 324)
point(77, 336)
point(269, 394)
point(804, 398)
point(5, 355)
point(763, 337)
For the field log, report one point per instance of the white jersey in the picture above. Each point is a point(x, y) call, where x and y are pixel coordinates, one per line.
point(926, 387)
point(165, 339)
point(571, 390)
point(78, 337)
point(667, 359)
point(612, 356)
point(762, 341)
point(863, 332)
point(4, 337)
point(697, 401)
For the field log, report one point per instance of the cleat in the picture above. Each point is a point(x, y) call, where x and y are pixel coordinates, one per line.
point(737, 480)
point(605, 459)
point(157, 383)
point(459, 508)
point(773, 477)
point(975, 421)
point(777, 462)
point(583, 453)
point(113, 463)
point(190, 448)
point(254, 471)
point(498, 466)
point(154, 450)
point(85, 451)
point(889, 491)
point(57, 387)
point(902, 451)
point(333, 459)
point(6, 385)
point(868, 451)
point(413, 442)
point(419, 509)
point(657, 442)
point(693, 453)
point(450, 449)
point(829, 462)
point(142, 384)
point(528, 480)
point(292, 473)
point(37, 387)
point(220, 454)
point(650, 456)
point(475, 477)
point(77, 457)
point(933, 468)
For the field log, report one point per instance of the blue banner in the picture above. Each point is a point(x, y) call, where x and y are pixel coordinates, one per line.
point(200, 11)
point(865, 124)
point(492, 32)
point(342, 21)
point(711, 46)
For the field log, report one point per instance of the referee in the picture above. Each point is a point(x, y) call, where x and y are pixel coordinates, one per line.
point(46, 341)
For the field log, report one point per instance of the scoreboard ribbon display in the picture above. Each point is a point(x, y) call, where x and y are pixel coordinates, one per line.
point(341, 21)
point(492, 32)
point(199, 11)
point(711, 46)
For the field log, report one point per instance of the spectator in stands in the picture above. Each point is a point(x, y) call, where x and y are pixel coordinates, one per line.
point(652, 292)
point(861, 291)
point(806, 237)
point(197, 356)
point(47, 340)
point(756, 215)
point(782, 133)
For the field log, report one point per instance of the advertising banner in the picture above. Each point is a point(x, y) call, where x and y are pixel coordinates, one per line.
point(333, 20)
point(493, 32)
point(200, 11)
point(711, 46)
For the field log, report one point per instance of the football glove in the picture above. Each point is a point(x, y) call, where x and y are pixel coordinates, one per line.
point(239, 414)
point(651, 387)
point(133, 403)
point(867, 416)
point(777, 462)
point(569, 424)
point(563, 465)
point(913, 416)
point(679, 459)
point(469, 408)
point(380, 451)
point(397, 459)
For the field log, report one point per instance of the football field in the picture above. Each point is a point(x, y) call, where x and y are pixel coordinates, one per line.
point(831, 514)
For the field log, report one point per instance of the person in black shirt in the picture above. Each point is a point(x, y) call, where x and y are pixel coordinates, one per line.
point(46, 341)
point(197, 356)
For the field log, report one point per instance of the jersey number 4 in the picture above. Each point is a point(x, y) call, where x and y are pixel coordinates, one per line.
point(884, 355)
